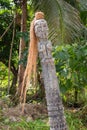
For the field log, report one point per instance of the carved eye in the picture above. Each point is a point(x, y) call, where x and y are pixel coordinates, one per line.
point(44, 25)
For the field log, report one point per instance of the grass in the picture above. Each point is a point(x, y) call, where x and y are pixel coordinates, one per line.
point(73, 121)
point(23, 125)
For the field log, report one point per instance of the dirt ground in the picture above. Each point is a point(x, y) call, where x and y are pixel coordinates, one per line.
point(31, 111)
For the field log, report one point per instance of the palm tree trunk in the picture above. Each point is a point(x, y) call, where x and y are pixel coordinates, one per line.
point(54, 102)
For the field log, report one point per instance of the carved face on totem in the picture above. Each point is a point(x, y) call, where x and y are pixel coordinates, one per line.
point(41, 29)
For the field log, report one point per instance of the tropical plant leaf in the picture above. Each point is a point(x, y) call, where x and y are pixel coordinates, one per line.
point(83, 5)
point(63, 19)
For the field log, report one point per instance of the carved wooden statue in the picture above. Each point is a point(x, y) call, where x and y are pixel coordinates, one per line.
point(54, 102)
point(39, 43)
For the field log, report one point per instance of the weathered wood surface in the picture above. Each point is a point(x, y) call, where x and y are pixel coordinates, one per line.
point(54, 102)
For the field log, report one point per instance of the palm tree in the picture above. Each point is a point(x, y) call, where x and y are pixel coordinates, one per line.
point(63, 20)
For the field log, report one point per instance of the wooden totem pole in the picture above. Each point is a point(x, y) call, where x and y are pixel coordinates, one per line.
point(39, 43)
point(54, 103)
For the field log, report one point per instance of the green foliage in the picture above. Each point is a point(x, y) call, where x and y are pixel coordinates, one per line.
point(6, 17)
point(81, 5)
point(23, 125)
point(3, 74)
point(63, 20)
point(71, 66)
point(83, 114)
point(5, 4)
point(24, 35)
point(3, 79)
point(74, 121)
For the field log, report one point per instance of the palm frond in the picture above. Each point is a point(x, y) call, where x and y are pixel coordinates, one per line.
point(83, 5)
point(63, 20)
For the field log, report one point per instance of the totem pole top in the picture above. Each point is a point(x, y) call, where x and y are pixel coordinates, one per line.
point(41, 29)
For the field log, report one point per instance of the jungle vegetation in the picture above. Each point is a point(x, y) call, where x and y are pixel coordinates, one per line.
point(67, 22)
